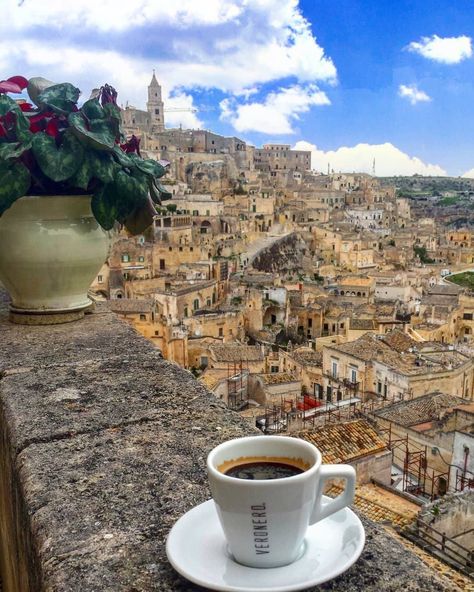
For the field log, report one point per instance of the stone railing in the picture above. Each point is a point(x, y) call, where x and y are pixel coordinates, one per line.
point(103, 447)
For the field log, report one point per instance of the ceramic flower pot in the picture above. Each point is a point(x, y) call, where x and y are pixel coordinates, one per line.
point(51, 248)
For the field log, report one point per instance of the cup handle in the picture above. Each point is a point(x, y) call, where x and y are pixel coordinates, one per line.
point(326, 472)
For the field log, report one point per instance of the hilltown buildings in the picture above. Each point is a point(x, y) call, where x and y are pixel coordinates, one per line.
point(299, 298)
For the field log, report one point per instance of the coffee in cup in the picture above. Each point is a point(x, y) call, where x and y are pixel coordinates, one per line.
point(268, 491)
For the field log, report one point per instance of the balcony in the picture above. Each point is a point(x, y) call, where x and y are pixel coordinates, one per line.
point(103, 447)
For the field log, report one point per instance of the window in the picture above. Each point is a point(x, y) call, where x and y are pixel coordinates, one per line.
point(162, 264)
point(142, 317)
point(141, 258)
point(196, 303)
point(274, 369)
point(170, 248)
point(100, 279)
point(221, 332)
point(204, 361)
point(329, 394)
point(185, 311)
point(310, 323)
point(157, 111)
point(353, 375)
point(125, 258)
point(208, 302)
point(157, 333)
point(334, 369)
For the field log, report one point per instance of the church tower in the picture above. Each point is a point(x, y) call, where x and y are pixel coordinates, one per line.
point(155, 106)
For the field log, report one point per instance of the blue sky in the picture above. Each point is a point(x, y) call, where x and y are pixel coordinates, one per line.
point(353, 80)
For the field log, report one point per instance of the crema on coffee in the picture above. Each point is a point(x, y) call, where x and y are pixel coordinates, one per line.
point(263, 467)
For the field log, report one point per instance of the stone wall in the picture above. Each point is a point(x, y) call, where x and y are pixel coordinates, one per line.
point(284, 255)
point(103, 447)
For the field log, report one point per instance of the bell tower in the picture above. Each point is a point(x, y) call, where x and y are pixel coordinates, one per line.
point(155, 106)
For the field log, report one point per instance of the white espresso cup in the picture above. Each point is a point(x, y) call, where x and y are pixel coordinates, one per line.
point(265, 521)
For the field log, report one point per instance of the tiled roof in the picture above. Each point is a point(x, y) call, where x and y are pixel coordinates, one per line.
point(307, 357)
point(132, 305)
point(375, 510)
point(420, 410)
point(278, 377)
point(211, 378)
point(236, 353)
point(370, 347)
point(363, 324)
point(399, 341)
point(345, 442)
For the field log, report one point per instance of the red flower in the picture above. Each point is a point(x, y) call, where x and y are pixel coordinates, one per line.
point(133, 145)
point(52, 128)
point(26, 107)
point(15, 84)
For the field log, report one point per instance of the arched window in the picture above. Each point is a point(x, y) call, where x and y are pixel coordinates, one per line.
point(196, 304)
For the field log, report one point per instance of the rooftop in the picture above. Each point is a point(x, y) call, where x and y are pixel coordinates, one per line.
point(420, 410)
point(278, 378)
point(307, 357)
point(345, 442)
point(130, 305)
point(236, 353)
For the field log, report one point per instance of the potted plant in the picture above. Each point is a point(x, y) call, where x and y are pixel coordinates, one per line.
point(68, 177)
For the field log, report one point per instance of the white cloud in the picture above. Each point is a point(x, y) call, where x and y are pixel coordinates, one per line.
point(446, 50)
point(108, 15)
point(413, 94)
point(232, 45)
point(469, 174)
point(188, 119)
point(389, 160)
point(276, 114)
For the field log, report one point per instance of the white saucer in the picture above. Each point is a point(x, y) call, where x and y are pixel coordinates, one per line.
point(197, 549)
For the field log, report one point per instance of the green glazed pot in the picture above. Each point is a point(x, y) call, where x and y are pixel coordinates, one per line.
point(51, 248)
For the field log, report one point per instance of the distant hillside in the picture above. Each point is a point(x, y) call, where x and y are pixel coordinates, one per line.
point(418, 185)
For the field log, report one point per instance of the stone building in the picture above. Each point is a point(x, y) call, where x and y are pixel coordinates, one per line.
point(394, 367)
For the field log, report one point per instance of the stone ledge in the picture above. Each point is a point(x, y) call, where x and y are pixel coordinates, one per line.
point(103, 448)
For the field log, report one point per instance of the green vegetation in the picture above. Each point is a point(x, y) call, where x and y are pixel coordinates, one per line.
point(448, 201)
point(465, 279)
point(422, 254)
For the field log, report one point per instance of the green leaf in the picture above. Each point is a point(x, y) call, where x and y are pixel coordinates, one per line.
point(122, 158)
point(92, 109)
point(104, 166)
point(141, 218)
point(98, 134)
point(113, 111)
point(11, 150)
point(131, 192)
point(22, 125)
point(84, 173)
point(14, 183)
point(60, 163)
point(104, 206)
point(61, 98)
point(7, 104)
